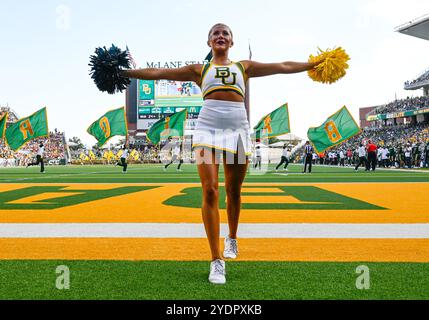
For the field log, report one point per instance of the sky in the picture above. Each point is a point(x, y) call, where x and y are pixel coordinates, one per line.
point(45, 49)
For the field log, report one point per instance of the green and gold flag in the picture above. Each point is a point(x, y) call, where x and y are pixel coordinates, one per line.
point(3, 120)
point(113, 123)
point(172, 126)
point(336, 129)
point(26, 129)
point(274, 124)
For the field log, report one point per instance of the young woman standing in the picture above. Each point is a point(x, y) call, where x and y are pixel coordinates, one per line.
point(222, 128)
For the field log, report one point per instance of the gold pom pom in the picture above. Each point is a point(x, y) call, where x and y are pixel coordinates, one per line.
point(332, 65)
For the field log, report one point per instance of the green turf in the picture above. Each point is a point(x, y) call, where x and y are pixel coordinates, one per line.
point(188, 280)
point(153, 173)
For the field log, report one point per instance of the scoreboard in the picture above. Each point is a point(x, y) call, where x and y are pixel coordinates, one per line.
point(157, 99)
point(162, 112)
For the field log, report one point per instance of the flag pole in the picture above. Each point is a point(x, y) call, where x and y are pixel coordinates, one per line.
point(159, 150)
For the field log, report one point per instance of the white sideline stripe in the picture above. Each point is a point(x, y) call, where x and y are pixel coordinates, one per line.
point(196, 230)
point(353, 166)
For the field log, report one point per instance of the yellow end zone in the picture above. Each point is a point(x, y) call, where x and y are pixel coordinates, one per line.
point(339, 250)
point(405, 203)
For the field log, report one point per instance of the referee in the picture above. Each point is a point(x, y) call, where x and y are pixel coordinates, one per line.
point(308, 156)
point(39, 159)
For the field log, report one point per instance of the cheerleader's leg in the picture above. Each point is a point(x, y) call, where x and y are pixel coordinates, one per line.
point(208, 170)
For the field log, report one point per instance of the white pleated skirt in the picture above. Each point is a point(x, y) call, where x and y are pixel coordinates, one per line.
point(221, 125)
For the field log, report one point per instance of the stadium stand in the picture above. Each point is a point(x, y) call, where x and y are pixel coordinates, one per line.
point(404, 105)
point(55, 152)
point(419, 82)
point(395, 138)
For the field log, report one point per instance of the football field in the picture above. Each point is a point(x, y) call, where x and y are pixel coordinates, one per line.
point(140, 235)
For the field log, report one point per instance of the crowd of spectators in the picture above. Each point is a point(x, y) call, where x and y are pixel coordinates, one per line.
point(404, 146)
point(423, 79)
point(55, 150)
point(148, 153)
point(55, 147)
point(11, 114)
point(397, 139)
point(404, 105)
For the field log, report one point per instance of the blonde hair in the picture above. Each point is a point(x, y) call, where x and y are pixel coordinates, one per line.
point(219, 25)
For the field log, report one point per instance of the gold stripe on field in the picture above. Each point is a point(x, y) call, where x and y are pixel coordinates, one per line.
point(336, 250)
point(404, 203)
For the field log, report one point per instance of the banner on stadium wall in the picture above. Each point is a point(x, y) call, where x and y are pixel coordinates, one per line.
point(113, 123)
point(396, 114)
point(26, 129)
point(372, 118)
point(336, 129)
point(421, 111)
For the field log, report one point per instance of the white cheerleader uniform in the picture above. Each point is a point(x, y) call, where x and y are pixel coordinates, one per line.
point(222, 124)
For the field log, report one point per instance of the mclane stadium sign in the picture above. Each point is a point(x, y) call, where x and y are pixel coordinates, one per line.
point(172, 64)
point(396, 114)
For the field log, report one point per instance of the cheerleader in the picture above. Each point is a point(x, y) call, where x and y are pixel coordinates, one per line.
point(222, 128)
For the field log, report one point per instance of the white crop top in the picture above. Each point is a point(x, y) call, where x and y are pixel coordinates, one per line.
point(230, 77)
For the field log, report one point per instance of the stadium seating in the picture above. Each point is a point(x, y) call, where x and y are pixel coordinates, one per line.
point(404, 105)
point(395, 138)
point(55, 151)
point(420, 81)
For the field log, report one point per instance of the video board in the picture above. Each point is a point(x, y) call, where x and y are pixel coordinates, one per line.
point(157, 99)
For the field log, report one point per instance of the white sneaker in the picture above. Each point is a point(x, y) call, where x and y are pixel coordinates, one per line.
point(217, 272)
point(164, 169)
point(231, 248)
point(286, 169)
